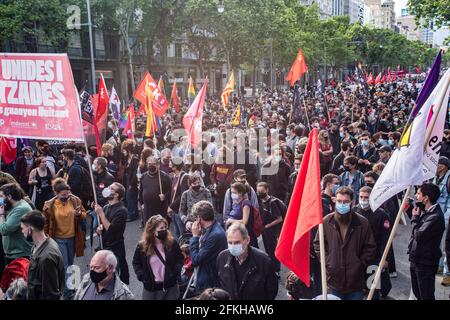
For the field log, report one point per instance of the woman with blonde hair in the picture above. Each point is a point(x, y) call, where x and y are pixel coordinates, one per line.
point(157, 261)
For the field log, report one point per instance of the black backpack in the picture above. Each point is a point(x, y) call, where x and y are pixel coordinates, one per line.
point(280, 204)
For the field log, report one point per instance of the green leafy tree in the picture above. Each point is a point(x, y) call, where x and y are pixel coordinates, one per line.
point(431, 10)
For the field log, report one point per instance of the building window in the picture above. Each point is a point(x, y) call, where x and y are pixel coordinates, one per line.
point(178, 50)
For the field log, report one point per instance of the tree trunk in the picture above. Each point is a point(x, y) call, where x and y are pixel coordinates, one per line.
point(130, 63)
point(254, 80)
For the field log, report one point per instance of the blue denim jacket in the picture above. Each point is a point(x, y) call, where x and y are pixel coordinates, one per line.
point(357, 183)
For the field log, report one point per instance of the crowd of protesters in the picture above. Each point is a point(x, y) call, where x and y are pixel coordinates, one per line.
point(200, 212)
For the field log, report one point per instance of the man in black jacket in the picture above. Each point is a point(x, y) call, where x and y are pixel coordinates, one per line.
point(425, 244)
point(46, 275)
point(276, 173)
point(180, 183)
point(246, 273)
point(155, 190)
point(381, 228)
point(102, 179)
point(113, 220)
point(272, 210)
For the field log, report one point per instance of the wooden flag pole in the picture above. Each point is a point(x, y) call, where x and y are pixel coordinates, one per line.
point(323, 268)
point(388, 245)
point(89, 165)
point(439, 99)
point(306, 113)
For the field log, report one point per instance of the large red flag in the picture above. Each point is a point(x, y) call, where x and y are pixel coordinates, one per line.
point(304, 213)
point(159, 102)
point(298, 68)
point(8, 149)
point(103, 99)
point(174, 97)
point(192, 120)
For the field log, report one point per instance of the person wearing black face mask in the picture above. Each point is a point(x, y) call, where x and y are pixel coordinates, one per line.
point(157, 261)
point(180, 183)
point(64, 215)
point(113, 220)
point(102, 283)
point(46, 272)
point(193, 195)
point(272, 210)
point(155, 190)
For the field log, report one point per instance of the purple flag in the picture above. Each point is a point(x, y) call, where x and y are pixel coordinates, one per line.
point(429, 84)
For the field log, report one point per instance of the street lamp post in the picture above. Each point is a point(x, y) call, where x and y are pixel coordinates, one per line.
point(91, 44)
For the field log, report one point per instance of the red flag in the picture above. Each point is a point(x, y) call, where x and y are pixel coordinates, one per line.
point(378, 78)
point(103, 99)
point(383, 80)
point(129, 127)
point(298, 68)
point(192, 120)
point(141, 110)
point(304, 213)
point(8, 148)
point(174, 97)
point(417, 69)
point(159, 102)
point(370, 79)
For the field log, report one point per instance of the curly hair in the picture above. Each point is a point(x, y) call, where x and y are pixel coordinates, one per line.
point(59, 184)
point(148, 239)
point(128, 145)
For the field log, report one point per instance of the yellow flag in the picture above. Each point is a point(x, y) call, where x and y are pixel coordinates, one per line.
point(151, 127)
point(237, 117)
point(229, 88)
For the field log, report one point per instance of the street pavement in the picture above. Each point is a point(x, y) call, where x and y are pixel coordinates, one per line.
point(401, 286)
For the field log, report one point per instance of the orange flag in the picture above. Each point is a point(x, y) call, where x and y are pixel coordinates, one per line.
point(303, 214)
point(298, 68)
point(159, 101)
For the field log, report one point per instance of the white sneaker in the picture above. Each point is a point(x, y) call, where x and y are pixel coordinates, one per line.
point(393, 275)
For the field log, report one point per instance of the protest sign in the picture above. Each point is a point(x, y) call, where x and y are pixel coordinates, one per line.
point(38, 98)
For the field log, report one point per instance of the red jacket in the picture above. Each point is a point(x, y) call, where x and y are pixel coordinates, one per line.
point(16, 269)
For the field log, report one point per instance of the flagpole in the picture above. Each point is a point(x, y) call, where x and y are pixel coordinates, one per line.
point(306, 113)
point(323, 269)
point(90, 167)
point(388, 245)
point(439, 99)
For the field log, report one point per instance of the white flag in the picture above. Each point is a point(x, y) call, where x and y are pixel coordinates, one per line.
point(408, 166)
point(114, 104)
point(436, 126)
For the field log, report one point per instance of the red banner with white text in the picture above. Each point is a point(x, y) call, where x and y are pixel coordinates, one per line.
point(38, 98)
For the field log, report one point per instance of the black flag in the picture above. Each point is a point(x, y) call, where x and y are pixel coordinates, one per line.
point(87, 110)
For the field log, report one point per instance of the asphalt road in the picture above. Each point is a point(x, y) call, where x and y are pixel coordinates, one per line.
point(401, 286)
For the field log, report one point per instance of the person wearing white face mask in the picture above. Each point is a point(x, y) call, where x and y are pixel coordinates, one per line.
point(245, 272)
point(381, 228)
point(113, 218)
